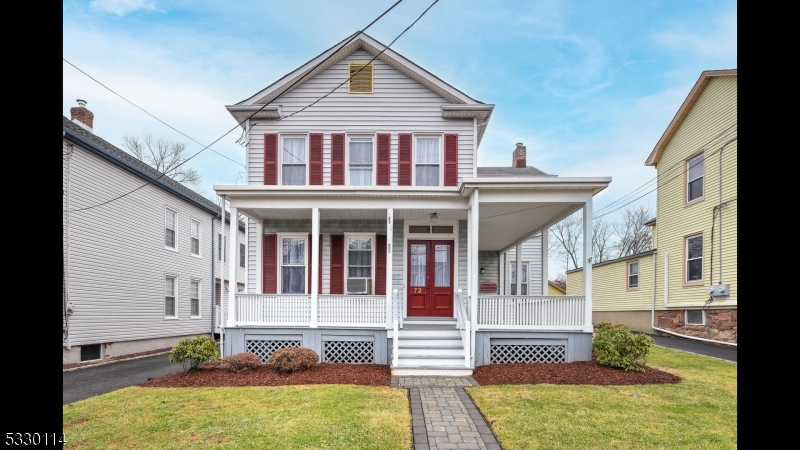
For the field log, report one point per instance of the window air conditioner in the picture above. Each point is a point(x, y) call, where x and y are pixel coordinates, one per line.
point(359, 286)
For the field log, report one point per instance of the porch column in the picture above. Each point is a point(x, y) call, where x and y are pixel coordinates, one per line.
point(587, 262)
point(314, 264)
point(519, 269)
point(545, 270)
point(474, 218)
point(501, 287)
point(234, 227)
point(388, 250)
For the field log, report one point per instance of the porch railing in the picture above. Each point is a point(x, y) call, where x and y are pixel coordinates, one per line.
point(359, 311)
point(531, 312)
point(463, 324)
point(253, 309)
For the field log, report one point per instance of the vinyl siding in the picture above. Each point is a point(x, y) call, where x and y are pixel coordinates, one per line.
point(398, 105)
point(609, 291)
point(531, 252)
point(117, 259)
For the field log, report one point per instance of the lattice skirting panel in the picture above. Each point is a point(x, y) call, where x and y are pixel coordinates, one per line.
point(264, 349)
point(351, 352)
point(504, 354)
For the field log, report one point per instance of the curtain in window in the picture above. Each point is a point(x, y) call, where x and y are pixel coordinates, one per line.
point(418, 264)
point(294, 251)
point(361, 161)
point(359, 258)
point(294, 158)
point(427, 153)
point(442, 277)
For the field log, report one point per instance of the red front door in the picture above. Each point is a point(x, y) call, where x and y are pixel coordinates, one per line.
point(430, 278)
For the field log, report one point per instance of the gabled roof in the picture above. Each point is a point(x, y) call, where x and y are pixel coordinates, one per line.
point(694, 94)
point(114, 155)
point(559, 286)
point(463, 106)
point(510, 172)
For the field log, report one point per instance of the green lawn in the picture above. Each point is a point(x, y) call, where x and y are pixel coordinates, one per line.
point(286, 417)
point(698, 413)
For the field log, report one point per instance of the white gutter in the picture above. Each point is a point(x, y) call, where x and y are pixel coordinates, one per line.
point(666, 303)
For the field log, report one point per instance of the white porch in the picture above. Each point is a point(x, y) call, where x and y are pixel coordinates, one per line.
point(487, 215)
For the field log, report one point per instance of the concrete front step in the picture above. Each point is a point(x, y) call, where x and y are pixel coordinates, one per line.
point(408, 333)
point(430, 371)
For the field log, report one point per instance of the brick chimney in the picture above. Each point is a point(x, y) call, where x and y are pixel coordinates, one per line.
point(518, 159)
point(82, 116)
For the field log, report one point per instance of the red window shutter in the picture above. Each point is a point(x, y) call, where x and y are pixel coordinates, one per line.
point(269, 259)
point(404, 159)
point(271, 159)
point(308, 265)
point(451, 160)
point(337, 264)
point(315, 159)
point(380, 264)
point(384, 152)
point(337, 159)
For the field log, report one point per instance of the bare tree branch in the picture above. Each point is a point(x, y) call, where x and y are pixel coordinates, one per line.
point(601, 241)
point(164, 155)
point(632, 233)
point(568, 233)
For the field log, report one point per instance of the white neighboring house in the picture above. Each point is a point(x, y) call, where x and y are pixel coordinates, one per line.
point(369, 221)
point(138, 271)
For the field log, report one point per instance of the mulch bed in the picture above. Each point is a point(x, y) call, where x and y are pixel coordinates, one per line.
point(575, 373)
point(212, 375)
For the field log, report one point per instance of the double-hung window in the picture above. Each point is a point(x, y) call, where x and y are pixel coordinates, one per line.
point(169, 297)
point(523, 287)
point(359, 265)
point(293, 264)
point(170, 225)
point(694, 179)
point(427, 161)
point(360, 160)
point(633, 275)
point(194, 295)
point(241, 255)
point(293, 161)
point(194, 245)
point(694, 259)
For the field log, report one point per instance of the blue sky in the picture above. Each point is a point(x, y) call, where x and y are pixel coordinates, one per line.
point(589, 87)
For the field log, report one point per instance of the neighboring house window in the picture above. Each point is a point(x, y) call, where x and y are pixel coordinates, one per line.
point(359, 265)
point(360, 157)
point(169, 224)
point(194, 295)
point(695, 317)
point(219, 246)
point(293, 157)
point(694, 258)
point(293, 265)
point(169, 297)
point(225, 247)
point(195, 239)
point(523, 282)
point(633, 275)
point(427, 161)
point(694, 179)
point(241, 255)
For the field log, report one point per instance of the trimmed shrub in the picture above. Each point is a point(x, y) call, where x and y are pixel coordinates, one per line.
point(191, 352)
point(293, 359)
point(616, 346)
point(242, 361)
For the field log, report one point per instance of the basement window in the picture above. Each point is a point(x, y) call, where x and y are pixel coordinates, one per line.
point(695, 317)
point(90, 352)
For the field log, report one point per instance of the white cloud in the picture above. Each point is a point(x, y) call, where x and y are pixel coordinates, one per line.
point(715, 41)
point(122, 7)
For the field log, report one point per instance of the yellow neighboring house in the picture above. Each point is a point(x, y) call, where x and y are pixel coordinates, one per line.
point(694, 236)
point(554, 289)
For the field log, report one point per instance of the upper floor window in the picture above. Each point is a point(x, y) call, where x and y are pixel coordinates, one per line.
point(360, 160)
point(293, 161)
point(427, 161)
point(170, 222)
point(195, 238)
point(694, 179)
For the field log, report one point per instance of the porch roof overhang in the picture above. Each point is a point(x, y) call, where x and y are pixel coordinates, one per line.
point(511, 210)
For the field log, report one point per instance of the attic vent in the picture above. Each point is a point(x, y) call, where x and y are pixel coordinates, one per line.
point(362, 82)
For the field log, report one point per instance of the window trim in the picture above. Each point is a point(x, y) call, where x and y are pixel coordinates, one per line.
point(686, 180)
point(175, 230)
point(346, 271)
point(349, 70)
point(528, 283)
point(175, 296)
point(199, 298)
point(702, 318)
point(242, 256)
point(415, 153)
point(685, 277)
point(628, 286)
point(279, 256)
point(307, 138)
point(374, 137)
point(199, 253)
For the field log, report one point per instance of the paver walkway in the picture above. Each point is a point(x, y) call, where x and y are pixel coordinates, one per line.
point(443, 416)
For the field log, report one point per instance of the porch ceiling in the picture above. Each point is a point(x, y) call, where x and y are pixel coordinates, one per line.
point(503, 224)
